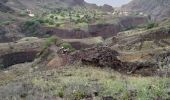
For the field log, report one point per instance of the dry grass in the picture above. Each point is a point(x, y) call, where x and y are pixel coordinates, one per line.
point(88, 41)
point(78, 82)
point(106, 82)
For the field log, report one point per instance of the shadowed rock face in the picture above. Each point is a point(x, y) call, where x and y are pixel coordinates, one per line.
point(20, 51)
point(108, 30)
point(104, 30)
point(79, 45)
point(17, 58)
point(130, 22)
point(5, 8)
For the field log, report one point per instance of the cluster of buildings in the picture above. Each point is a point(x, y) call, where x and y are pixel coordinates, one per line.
point(120, 12)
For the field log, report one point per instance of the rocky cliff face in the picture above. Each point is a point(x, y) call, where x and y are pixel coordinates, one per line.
point(158, 9)
point(108, 30)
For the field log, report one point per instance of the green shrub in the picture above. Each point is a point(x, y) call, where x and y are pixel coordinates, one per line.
point(67, 46)
point(78, 95)
point(78, 15)
point(40, 21)
point(78, 21)
point(50, 41)
point(47, 21)
point(56, 18)
point(5, 23)
point(1, 66)
point(57, 24)
point(22, 14)
point(31, 27)
point(129, 28)
point(52, 16)
point(61, 94)
point(51, 23)
point(31, 23)
point(62, 14)
point(152, 25)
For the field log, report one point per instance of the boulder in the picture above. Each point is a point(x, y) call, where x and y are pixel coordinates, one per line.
point(98, 56)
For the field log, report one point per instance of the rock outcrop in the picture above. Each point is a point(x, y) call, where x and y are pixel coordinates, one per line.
point(24, 50)
point(105, 57)
point(99, 56)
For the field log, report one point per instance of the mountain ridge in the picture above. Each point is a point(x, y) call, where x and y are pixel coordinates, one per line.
point(157, 9)
point(38, 4)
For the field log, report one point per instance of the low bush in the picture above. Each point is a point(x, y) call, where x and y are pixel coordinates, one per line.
point(152, 25)
point(41, 21)
point(56, 18)
point(51, 23)
point(22, 14)
point(52, 16)
point(31, 27)
point(5, 23)
point(61, 94)
point(50, 41)
point(67, 46)
point(79, 95)
point(57, 24)
point(1, 66)
point(47, 21)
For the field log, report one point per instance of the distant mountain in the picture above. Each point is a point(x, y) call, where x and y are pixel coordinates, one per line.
point(106, 7)
point(38, 4)
point(32, 4)
point(158, 9)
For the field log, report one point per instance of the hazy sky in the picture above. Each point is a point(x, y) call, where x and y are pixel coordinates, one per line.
point(114, 3)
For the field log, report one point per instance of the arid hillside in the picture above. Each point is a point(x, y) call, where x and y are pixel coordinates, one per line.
point(157, 9)
point(73, 50)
